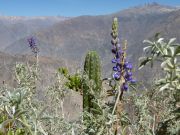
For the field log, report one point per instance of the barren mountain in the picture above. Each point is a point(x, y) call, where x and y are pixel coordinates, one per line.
point(70, 39)
point(13, 28)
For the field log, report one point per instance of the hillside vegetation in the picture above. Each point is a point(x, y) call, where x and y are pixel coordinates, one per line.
point(86, 103)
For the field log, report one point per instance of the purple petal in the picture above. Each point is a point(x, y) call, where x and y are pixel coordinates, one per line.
point(125, 86)
point(133, 81)
point(115, 68)
point(129, 73)
point(116, 76)
point(113, 60)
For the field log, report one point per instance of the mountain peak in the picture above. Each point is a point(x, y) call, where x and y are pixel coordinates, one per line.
point(148, 8)
point(159, 7)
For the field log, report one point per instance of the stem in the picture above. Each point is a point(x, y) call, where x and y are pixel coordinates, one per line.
point(159, 49)
point(35, 127)
point(24, 122)
point(37, 62)
point(117, 100)
point(72, 131)
point(154, 122)
point(62, 108)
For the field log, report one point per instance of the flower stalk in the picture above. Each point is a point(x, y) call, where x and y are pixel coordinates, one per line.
point(33, 46)
point(122, 71)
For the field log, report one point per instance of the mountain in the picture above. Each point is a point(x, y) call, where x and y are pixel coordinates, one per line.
point(13, 28)
point(71, 38)
point(149, 8)
point(63, 42)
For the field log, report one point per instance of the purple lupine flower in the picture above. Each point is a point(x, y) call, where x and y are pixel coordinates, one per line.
point(123, 68)
point(115, 68)
point(129, 66)
point(128, 78)
point(129, 73)
point(125, 87)
point(116, 75)
point(33, 45)
point(118, 46)
point(113, 61)
point(113, 50)
point(133, 81)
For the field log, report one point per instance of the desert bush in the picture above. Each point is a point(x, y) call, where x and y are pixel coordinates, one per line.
point(74, 81)
point(161, 104)
point(18, 107)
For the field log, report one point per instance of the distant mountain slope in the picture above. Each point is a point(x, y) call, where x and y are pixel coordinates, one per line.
point(8, 62)
point(13, 28)
point(72, 38)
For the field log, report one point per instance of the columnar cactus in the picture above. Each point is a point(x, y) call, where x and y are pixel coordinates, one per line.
point(92, 70)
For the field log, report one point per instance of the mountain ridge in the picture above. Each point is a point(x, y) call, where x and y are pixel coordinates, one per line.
point(72, 38)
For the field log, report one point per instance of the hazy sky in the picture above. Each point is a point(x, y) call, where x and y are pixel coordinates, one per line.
point(71, 7)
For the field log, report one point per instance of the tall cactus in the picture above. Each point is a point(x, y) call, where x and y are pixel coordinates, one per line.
point(92, 68)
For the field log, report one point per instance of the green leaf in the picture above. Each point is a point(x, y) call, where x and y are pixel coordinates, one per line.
point(166, 86)
point(19, 113)
point(160, 40)
point(10, 132)
point(165, 52)
point(172, 50)
point(142, 58)
point(163, 64)
point(177, 51)
point(167, 70)
point(148, 41)
point(171, 41)
point(143, 63)
point(41, 112)
point(161, 81)
point(169, 64)
point(167, 56)
point(42, 130)
point(146, 48)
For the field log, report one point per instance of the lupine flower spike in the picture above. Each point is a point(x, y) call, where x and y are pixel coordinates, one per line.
point(122, 71)
point(33, 45)
point(34, 48)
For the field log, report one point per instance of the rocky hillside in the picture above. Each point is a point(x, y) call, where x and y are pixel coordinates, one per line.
point(70, 39)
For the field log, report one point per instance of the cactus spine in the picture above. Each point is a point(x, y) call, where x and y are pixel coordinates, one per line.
point(92, 68)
